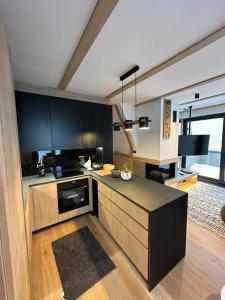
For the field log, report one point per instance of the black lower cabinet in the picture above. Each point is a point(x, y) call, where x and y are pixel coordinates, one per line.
point(167, 238)
point(95, 197)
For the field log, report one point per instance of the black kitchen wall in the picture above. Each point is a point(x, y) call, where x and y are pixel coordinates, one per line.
point(46, 122)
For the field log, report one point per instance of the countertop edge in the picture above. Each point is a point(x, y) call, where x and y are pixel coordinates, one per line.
point(52, 179)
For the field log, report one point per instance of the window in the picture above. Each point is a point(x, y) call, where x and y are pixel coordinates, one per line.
point(208, 166)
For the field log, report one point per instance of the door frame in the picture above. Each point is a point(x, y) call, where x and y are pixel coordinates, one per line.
point(221, 180)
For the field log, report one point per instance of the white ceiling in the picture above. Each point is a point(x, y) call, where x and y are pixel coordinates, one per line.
point(43, 35)
point(206, 63)
point(146, 33)
point(187, 98)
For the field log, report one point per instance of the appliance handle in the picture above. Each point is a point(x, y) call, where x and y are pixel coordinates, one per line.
point(72, 196)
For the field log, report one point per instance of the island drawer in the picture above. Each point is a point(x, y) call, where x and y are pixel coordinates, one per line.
point(136, 212)
point(135, 228)
point(137, 253)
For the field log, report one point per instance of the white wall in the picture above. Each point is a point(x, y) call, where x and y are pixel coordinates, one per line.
point(149, 142)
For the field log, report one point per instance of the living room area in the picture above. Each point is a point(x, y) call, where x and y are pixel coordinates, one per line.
point(190, 156)
point(199, 171)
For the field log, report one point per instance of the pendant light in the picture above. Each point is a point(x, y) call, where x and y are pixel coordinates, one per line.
point(128, 124)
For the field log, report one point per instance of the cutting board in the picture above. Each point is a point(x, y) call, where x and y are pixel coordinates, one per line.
point(103, 172)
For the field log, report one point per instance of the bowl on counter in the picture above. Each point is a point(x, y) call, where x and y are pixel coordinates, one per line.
point(116, 173)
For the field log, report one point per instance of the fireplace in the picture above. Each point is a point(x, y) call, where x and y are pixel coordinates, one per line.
point(167, 170)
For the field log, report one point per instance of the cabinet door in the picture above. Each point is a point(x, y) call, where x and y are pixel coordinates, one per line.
point(92, 133)
point(66, 123)
point(34, 122)
point(106, 129)
point(45, 205)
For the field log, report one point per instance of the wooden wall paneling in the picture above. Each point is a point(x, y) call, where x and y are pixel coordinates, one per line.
point(166, 118)
point(12, 221)
point(23, 283)
point(155, 161)
point(29, 225)
point(3, 292)
point(139, 168)
point(120, 158)
point(45, 205)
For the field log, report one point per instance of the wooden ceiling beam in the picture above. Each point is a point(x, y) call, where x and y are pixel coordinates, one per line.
point(101, 13)
point(128, 136)
point(173, 60)
point(183, 89)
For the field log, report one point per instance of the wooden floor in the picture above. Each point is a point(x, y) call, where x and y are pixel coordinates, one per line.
point(200, 275)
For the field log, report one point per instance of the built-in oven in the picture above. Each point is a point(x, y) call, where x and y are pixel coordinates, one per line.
point(72, 194)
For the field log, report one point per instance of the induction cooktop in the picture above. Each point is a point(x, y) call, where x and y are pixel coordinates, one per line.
point(63, 173)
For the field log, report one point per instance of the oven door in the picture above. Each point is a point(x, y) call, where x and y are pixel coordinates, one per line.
point(72, 198)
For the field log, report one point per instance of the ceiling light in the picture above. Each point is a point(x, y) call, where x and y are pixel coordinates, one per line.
point(197, 96)
point(128, 124)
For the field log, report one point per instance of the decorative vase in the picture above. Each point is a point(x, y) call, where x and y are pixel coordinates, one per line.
point(125, 175)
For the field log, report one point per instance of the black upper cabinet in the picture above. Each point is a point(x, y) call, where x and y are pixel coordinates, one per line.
point(106, 129)
point(34, 122)
point(92, 133)
point(67, 123)
point(55, 123)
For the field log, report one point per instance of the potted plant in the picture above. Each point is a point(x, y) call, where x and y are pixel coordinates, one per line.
point(125, 172)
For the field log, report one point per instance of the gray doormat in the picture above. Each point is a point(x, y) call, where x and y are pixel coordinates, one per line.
point(204, 205)
point(81, 262)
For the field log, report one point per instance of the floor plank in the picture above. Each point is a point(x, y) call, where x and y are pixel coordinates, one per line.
point(199, 275)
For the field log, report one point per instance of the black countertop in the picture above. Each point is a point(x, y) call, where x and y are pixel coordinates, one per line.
point(146, 193)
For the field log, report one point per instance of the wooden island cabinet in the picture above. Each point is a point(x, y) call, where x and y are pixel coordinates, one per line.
point(155, 239)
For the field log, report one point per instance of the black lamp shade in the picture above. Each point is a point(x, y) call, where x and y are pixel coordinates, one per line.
point(143, 122)
point(116, 126)
point(128, 125)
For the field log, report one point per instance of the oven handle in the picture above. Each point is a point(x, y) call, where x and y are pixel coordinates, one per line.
point(76, 195)
point(72, 196)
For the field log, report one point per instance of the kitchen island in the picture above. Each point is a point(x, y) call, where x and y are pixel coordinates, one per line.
point(147, 219)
